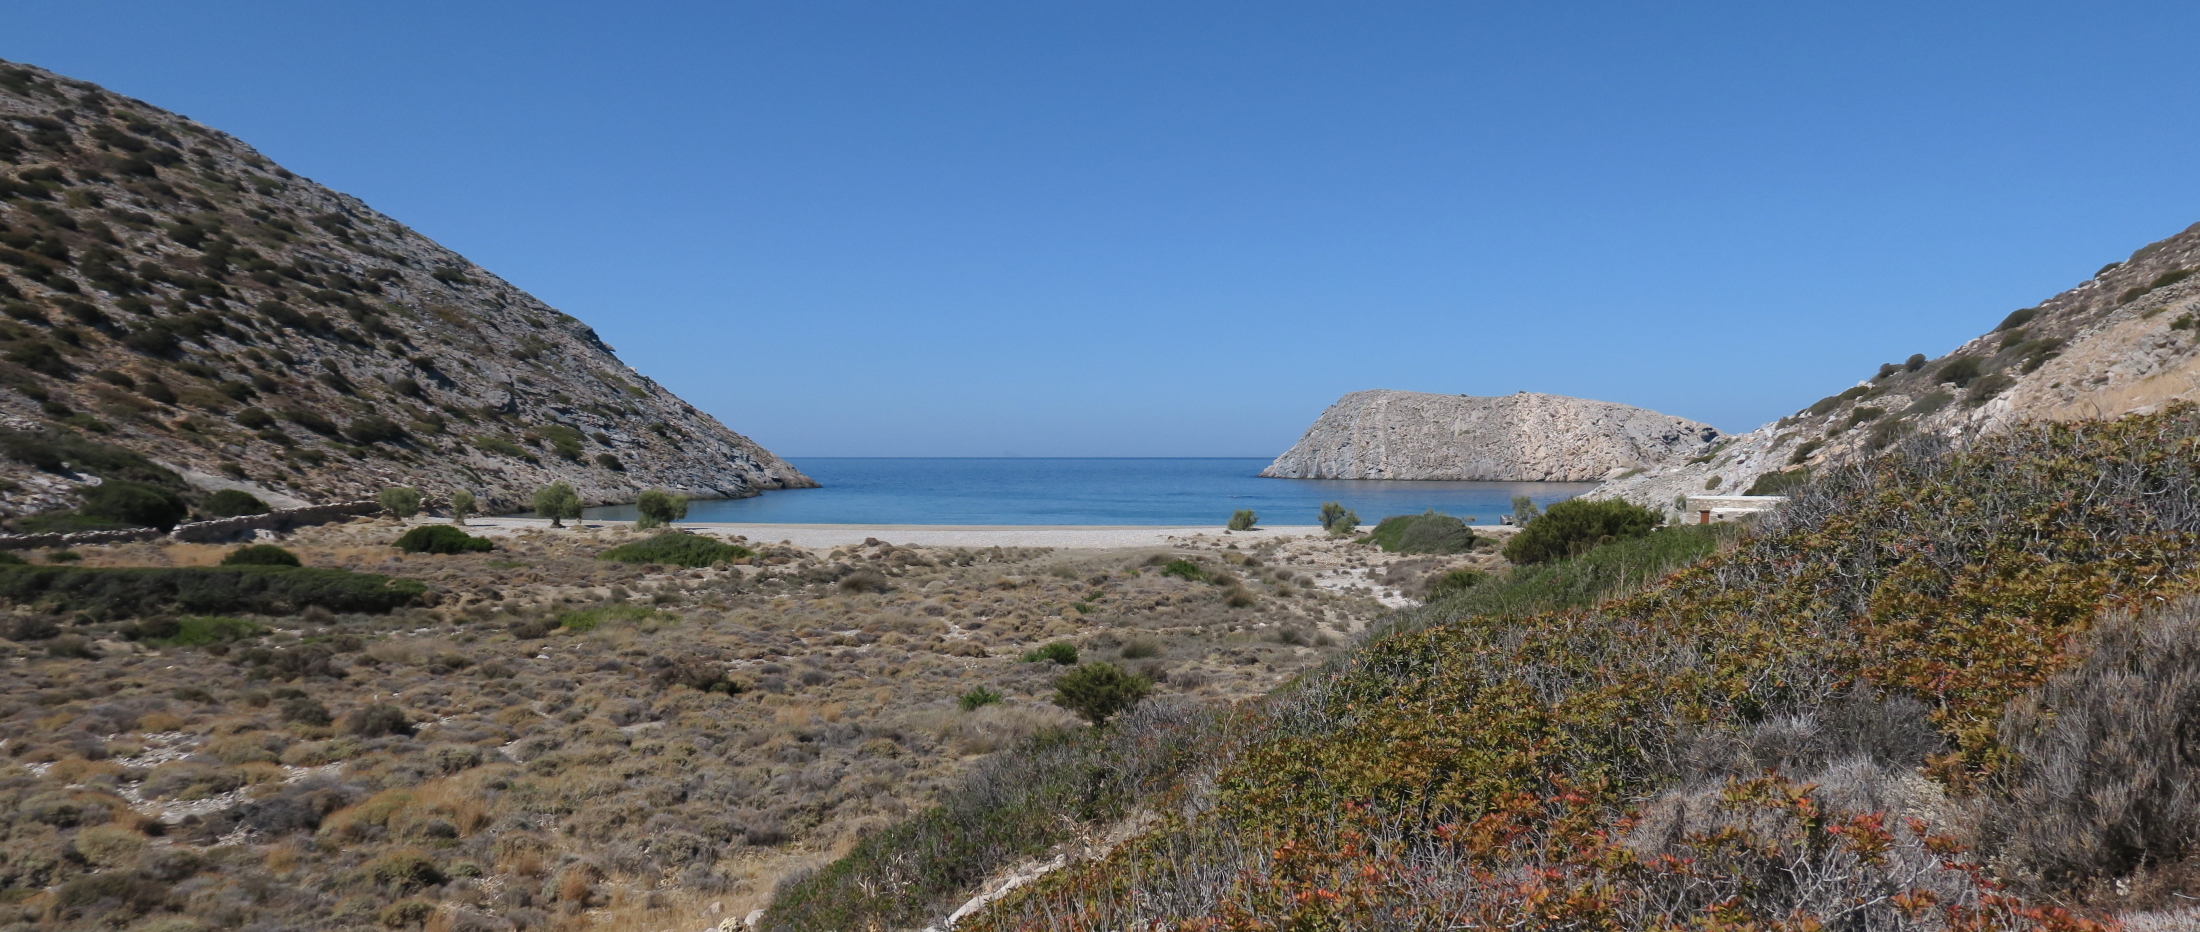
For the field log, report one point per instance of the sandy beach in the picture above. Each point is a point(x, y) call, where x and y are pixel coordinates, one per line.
point(1071, 537)
point(1075, 537)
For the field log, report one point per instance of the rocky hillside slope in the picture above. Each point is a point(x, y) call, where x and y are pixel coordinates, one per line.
point(171, 292)
point(2122, 342)
point(1527, 437)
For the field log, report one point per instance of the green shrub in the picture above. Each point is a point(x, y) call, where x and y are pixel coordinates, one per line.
point(1572, 527)
point(406, 913)
point(1141, 648)
point(564, 441)
point(311, 421)
point(503, 447)
point(1986, 388)
point(658, 508)
point(2017, 318)
point(610, 462)
point(1242, 519)
point(63, 556)
point(134, 503)
point(255, 419)
point(1184, 569)
point(1524, 510)
point(442, 538)
point(462, 506)
point(257, 590)
point(1454, 582)
point(1960, 370)
point(40, 357)
point(197, 630)
point(558, 502)
point(1429, 532)
point(676, 548)
point(1097, 691)
point(865, 580)
point(375, 721)
point(1060, 652)
point(978, 697)
point(399, 502)
point(260, 555)
point(230, 503)
point(1779, 483)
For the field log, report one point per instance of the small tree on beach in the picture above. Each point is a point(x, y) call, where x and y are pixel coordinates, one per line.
point(1339, 520)
point(658, 508)
point(462, 505)
point(557, 501)
point(1524, 510)
point(400, 502)
point(1243, 519)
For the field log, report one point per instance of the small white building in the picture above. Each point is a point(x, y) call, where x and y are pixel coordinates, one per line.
point(1705, 509)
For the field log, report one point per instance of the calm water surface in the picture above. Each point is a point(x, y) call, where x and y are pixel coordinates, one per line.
point(1181, 492)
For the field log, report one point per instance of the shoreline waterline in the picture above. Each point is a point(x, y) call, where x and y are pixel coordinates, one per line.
point(1059, 536)
point(1155, 492)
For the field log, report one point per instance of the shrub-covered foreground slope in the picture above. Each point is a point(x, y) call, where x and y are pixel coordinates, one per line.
point(169, 289)
point(1812, 729)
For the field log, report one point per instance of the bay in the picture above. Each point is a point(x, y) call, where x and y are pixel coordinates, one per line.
point(1179, 492)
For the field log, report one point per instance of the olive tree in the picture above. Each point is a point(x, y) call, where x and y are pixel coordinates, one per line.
point(557, 501)
point(658, 508)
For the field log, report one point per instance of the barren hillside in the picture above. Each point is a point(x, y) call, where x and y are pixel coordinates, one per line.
point(171, 292)
point(2119, 343)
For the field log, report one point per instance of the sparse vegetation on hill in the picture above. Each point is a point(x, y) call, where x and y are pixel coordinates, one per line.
point(171, 292)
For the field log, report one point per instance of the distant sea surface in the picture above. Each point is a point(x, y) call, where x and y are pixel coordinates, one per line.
point(1166, 492)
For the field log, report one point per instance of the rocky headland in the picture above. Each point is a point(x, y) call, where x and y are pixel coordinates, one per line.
point(1526, 437)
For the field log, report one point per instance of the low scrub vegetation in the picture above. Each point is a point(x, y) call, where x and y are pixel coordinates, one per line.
point(127, 591)
point(442, 538)
point(1577, 525)
point(1578, 746)
point(676, 548)
point(1423, 533)
point(260, 555)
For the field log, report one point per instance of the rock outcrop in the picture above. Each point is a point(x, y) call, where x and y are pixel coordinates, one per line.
point(1527, 437)
point(171, 292)
point(2125, 341)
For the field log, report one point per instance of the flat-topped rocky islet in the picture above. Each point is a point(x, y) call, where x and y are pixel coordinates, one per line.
point(1524, 437)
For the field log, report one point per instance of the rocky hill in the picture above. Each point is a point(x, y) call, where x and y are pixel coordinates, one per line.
point(1527, 437)
point(171, 293)
point(2121, 342)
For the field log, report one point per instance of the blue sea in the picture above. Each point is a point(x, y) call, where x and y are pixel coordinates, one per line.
point(1109, 491)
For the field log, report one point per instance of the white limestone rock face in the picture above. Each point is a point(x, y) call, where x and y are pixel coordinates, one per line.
point(1528, 437)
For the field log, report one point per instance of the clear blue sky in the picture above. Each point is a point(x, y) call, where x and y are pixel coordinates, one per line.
point(1132, 228)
